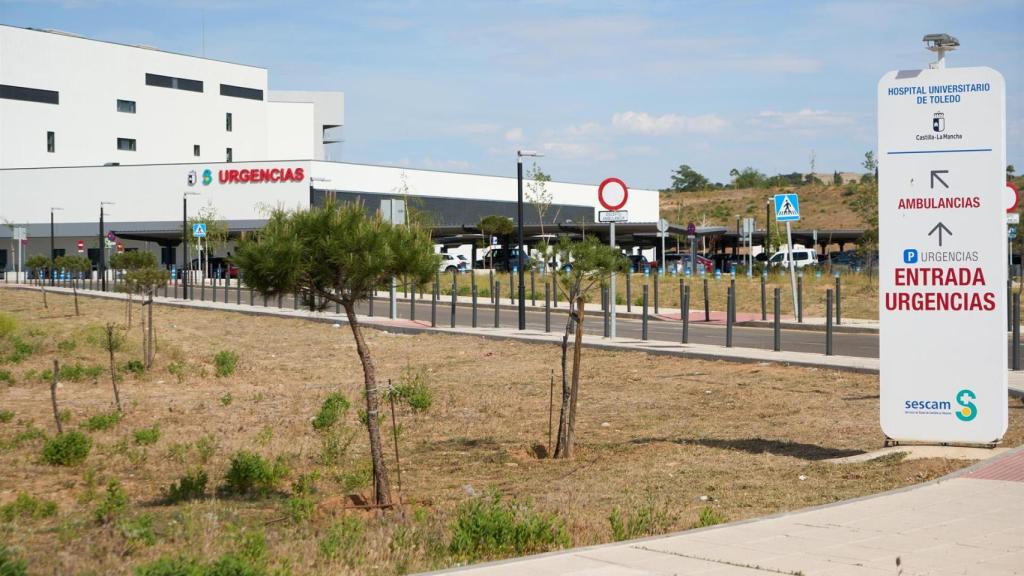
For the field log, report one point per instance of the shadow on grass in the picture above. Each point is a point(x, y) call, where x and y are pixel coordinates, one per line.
point(761, 446)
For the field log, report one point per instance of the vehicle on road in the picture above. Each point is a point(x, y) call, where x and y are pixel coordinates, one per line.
point(682, 262)
point(801, 257)
point(504, 260)
point(217, 267)
point(451, 263)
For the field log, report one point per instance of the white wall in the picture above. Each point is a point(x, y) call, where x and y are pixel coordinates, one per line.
point(328, 112)
point(288, 125)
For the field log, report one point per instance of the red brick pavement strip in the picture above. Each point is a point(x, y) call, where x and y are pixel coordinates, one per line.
point(1010, 468)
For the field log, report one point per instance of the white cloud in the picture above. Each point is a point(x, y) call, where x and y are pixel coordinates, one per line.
point(514, 135)
point(644, 123)
point(806, 118)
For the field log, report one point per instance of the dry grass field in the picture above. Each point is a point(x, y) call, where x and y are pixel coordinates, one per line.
point(664, 444)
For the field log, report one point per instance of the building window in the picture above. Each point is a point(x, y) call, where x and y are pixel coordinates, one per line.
point(126, 144)
point(8, 92)
point(230, 155)
point(175, 83)
point(126, 106)
point(227, 121)
point(241, 92)
point(195, 149)
point(51, 144)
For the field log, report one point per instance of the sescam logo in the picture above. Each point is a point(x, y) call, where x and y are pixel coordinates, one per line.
point(965, 413)
point(249, 175)
point(969, 410)
point(207, 177)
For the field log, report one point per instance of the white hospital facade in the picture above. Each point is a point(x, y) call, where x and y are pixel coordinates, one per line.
point(85, 122)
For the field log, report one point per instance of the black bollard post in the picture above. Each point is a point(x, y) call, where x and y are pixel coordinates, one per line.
point(433, 305)
point(280, 301)
point(764, 300)
point(629, 291)
point(1009, 305)
point(455, 294)
point(686, 315)
point(175, 282)
point(554, 290)
point(497, 305)
point(238, 291)
point(800, 299)
point(707, 303)
point(606, 312)
point(412, 302)
point(656, 291)
point(643, 334)
point(839, 300)
point(227, 288)
point(533, 287)
point(373, 294)
point(473, 291)
point(776, 324)
point(214, 289)
point(729, 300)
point(547, 307)
point(1016, 332)
point(490, 280)
point(202, 288)
point(828, 322)
point(252, 296)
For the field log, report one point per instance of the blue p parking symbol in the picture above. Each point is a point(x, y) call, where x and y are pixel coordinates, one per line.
point(910, 256)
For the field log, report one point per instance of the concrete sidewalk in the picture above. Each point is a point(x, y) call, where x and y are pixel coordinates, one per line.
point(967, 523)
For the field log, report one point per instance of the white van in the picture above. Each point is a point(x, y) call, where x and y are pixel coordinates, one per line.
point(801, 257)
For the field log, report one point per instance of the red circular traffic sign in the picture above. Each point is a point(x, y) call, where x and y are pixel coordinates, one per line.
point(1016, 197)
point(606, 204)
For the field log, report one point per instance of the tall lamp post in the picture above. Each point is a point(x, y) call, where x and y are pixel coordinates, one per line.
point(184, 243)
point(102, 268)
point(52, 255)
point(520, 154)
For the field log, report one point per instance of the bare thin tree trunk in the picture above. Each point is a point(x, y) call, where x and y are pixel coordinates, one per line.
point(382, 488)
point(563, 412)
point(53, 396)
point(575, 393)
point(42, 286)
point(149, 327)
point(74, 288)
point(128, 310)
point(113, 370)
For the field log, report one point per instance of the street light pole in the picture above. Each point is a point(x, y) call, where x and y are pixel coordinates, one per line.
point(184, 243)
point(519, 224)
point(52, 210)
point(102, 268)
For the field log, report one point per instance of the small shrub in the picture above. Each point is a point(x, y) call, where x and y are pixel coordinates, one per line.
point(146, 436)
point(334, 407)
point(178, 451)
point(299, 508)
point(250, 473)
point(102, 421)
point(225, 400)
point(709, 517)
point(135, 367)
point(645, 519)
point(413, 389)
point(266, 434)
point(73, 373)
point(6, 416)
point(7, 325)
point(17, 350)
point(5, 376)
point(305, 484)
point(171, 566)
point(138, 530)
point(225, 362)
point(113, 504)
point(177, 369)
point(67, 449)
point(334, 445)
point(66, 345)
point(206, 447)
point(65, 416)
point(191, 486)
point(343, 541)
point(11, 564)
point(353, 480)
point(25, 506)
point(490, 527)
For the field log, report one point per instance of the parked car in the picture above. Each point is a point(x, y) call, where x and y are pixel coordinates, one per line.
point(503, 260)
point(451, 263)
point(801, 257)
point(218, 265)
point(638, 263)
point(682, 261)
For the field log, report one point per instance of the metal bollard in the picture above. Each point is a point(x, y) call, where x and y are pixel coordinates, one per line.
point(392, 301)
point(202, 289)
point(412, 303)
point(1016, 332)
point(547, 307)
point(707, 303)
point(828, 322)
point(227, 286)
point(643, 332)
point(214, 289)
point(764, 300)
point(729, 301)
point(251, 297)
point(264, 300)
point(685, 313)
point(497, 305)
point(776, 324)
point(656, 291)
point(1009, 304)
point(175, 288)
point(606, 312)
point(295, 300)
point(490, 280)
point(473, 291)
point(455, 293)
point(629, 291)
point(800, 299)
point(554, 290)
point(280, 300)
point(682, 288)
point(433, 304)
point(839, 299)
point(533, 288)
point(373, 294)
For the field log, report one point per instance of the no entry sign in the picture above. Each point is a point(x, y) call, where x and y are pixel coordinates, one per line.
point(610, 190)
point(942, 255)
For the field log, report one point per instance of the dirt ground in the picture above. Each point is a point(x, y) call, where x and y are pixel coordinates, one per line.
point(660, 436)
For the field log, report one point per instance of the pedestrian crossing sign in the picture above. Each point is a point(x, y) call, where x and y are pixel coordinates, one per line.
point(787, 207)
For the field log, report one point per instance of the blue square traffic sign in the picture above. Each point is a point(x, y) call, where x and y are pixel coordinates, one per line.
point(910, 256)
point(199, 230)
point(787, 207)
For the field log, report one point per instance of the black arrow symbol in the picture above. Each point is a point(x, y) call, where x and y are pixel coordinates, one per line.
point(935, 176)
point(940, 227)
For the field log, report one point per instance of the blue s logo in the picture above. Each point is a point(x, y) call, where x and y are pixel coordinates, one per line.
point(969, 410)
point(207, 177)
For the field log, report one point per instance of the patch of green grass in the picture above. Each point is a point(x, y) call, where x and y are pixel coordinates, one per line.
point(490, 527)
point(29, 434)
point(14, 350)
point(6, 416)
point(355, 479)
point(709, 517)
point(146, 436)
point(67, 449)
point(191, 486)
point(206, 447)
point(67, 345)
point(8, 325)
point(136, 367)
point(225, 362)
point(251, 474)
point(226, 399)
point(5, 376)
point(644, 519)
point(113, 504)
point(412, 389)
point(299, 508)
point(11, 564)
point(73, 373)
point(25, 506)
point(102, 421)
point(334, 407)
point(178, 451)
point(266, 434)
point(138, 531)
point(343, 541)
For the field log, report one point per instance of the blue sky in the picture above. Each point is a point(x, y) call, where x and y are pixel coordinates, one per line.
point(625, 88)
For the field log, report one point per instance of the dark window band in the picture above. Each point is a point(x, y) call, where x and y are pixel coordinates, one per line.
point(241, 92)
point(176, 83)
point(29, 94)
